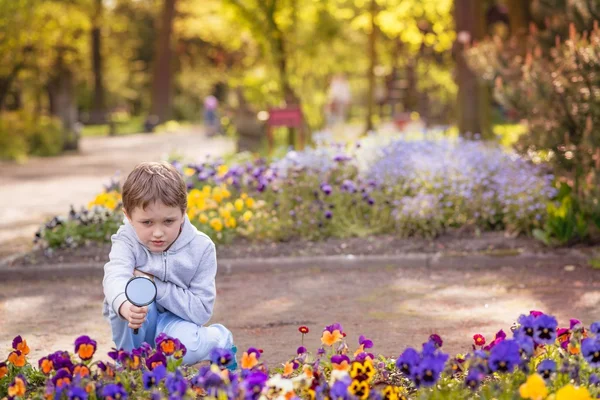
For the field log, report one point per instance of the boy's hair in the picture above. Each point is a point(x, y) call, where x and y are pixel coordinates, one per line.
point(154, 181)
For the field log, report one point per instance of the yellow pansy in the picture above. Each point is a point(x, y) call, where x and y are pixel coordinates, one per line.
point(249, 202)
point(206, 189)
point(229, 206)
point(360, 389)
point(239, 204)
point(217, 195)
point(226, 193)
point(187, 171)
point(216, 224)
point(570, 392)
point(243, 196)
point(230, 222)
point(247, 216)
point(203, 218)
point(224, 213)
point(109, 200)
point(534, 388)
point(222, 170)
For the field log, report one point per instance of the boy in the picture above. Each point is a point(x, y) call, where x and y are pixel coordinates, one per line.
point(158, 241)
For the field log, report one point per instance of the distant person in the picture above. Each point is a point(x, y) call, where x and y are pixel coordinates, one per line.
point(158, 241)
point(338, 100)
point(211, 116)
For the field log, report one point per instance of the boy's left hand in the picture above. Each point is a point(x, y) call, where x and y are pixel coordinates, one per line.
point(137, 272)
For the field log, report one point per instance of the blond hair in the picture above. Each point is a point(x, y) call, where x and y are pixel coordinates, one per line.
point(154, 181)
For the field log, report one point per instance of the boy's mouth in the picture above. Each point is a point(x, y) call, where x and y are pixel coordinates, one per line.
point(158, 243)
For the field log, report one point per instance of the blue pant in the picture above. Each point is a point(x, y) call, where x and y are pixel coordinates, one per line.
point(198, 340)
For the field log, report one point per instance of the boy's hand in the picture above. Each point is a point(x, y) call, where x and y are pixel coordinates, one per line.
point(135, 315)
point(137, 272)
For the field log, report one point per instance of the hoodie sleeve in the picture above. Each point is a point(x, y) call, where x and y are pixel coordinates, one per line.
point(195, 303)
point(117, 271)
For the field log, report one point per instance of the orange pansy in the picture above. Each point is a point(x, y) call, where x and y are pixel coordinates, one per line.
point(288, 368)
point(330, 338)
point(249, 361)
point(17, 388)
point(47, 366)
point(86, 351)
point(17, 358)
point(22, 347)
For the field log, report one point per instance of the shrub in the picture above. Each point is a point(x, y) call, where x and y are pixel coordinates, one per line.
point(22, 134)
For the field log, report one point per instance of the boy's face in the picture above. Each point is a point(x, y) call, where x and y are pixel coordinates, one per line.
point(157, 226)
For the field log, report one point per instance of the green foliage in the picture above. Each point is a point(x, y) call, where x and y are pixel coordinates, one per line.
point(22, 134)
point(554, 87)
point(95, 225)
point(566, 221)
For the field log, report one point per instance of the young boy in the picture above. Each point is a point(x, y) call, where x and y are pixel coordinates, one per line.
point(158, 241)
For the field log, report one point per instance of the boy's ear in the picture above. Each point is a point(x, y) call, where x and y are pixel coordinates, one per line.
point(126, 214)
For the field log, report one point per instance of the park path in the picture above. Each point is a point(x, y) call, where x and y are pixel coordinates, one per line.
point(395, 306)
point(44, 187)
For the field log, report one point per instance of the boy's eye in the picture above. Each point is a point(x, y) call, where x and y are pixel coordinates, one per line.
point(147, 223)
point(168, 221)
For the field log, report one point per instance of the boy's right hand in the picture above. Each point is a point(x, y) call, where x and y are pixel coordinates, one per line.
point(134, 314)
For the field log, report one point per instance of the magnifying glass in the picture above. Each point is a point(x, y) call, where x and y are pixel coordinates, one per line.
point(140, 291)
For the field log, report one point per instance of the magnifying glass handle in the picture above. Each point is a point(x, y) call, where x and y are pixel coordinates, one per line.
point(135, 331)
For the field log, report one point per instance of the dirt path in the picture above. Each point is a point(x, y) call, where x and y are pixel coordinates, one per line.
point(45, 187)
point(395, 307)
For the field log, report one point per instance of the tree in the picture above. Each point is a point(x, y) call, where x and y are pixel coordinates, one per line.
point(473, 97)
point(163, 78)
point(98, 112)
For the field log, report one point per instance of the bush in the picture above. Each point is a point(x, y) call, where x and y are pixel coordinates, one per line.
point(23, 134)
point(540, 361)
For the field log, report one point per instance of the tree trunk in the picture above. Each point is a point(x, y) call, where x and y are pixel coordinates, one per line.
point(473, 96)
point(519, 16)
point(61, 92)
point(98, 112)
point(371, 74)
point(162, 79)
point(6, 83)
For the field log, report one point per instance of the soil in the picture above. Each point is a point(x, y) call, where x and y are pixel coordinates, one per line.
point(392, 305)
point(455, 242)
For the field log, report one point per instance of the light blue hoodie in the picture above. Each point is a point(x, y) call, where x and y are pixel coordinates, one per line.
point(184, 274)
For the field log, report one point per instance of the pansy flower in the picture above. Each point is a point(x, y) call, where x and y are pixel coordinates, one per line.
point(81, 370)
point(17, 358)
point(332, 334)
point(153, 378)
point(45, 364)
point(176, 384)
point(18, 387)
point(590, 349)
point(155, 360)
point(362, 371)
point(106, 369)
point(436, 339)
point(221, 357)
point(77, 393)
point(85, 347)
point(545, 329)
point(563, 337)
point(595, 328)
point(474, 378)
point(114, 392)
point(3, 369)
point(364, 343)
point(534, 388)
point(62, 378)
point(407, 361)
point(360, 389)
point(250, 358)
point(505, 356)
point(340, 362)
point(60, 360)
point(253, 384)
point(499, 337)
point(546, 368)
point(19, 344)
point(301, 350)
point(429, 369)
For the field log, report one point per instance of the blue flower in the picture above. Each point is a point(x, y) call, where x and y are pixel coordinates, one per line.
point(546, 368)
point(595, 328)
point(114, 391)
point(505, 356)
point(153, 378)
point(545, 329)
point(527, 324)
point(254, 384)
point(590, 349)
point(176, 384)
point(221, 357)
point(77, 393)
point(428, 371)
point(407, 361)
point(474, 378)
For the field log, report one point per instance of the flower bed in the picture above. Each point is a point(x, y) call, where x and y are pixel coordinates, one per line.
point(539, 361)
point(402, 187)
